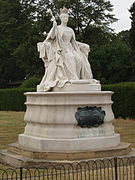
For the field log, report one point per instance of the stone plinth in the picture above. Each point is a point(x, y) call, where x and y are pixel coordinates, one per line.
point(19, 156)
point(51, 124)
point(52, 135)
point(121, 149)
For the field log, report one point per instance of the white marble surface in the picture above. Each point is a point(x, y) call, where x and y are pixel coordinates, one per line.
point(78, 144)
point(81, 85)
point(64, 58)
point(51, 115)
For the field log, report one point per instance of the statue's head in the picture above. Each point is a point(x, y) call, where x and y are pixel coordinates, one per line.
point(64, 14)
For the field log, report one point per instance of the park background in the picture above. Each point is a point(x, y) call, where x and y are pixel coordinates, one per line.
point(23, 23)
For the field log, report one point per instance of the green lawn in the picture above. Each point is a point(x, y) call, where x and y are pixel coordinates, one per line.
point(12, 124)
point(126, 128)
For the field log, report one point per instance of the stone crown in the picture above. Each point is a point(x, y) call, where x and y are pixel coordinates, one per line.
point(63, 10)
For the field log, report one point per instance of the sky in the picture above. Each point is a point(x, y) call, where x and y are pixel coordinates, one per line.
point(121, 12)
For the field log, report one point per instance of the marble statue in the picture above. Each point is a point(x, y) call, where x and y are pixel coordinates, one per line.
point(74, 121)
point(65, 59)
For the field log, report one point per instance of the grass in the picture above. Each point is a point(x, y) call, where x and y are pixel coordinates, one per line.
point(126, 128)
point(12, 124)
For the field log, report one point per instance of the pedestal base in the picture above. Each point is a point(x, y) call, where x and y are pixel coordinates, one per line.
point(18, 156)
point(65, 145)
point(51, 123)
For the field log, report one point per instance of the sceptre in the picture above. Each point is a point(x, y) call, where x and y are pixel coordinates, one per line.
point(51, 13)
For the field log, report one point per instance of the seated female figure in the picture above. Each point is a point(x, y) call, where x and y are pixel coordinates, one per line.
point(65, 59)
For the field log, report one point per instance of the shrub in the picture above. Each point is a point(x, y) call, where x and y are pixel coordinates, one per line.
point(123, 98)
point(13, 99)
point(32, 82)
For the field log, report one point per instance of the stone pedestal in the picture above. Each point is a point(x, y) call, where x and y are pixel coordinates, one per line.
point(51, 124)
point(52, 135)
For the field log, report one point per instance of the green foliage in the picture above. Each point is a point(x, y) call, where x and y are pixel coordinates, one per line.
point(94, 35)
point(132, 30)
point(31, 82)
point(13, 99)
point(124, 36)
point(10, 37)
point(3, 83)
point(132, 39)
point(37, 21)
point(123, 98)
point(111, 63)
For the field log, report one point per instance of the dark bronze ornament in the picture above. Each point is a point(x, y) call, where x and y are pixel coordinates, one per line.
point(90, 116)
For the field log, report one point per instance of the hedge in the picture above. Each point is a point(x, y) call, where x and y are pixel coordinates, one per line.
point(31, 82)
point(123, 97)
point(13, 99)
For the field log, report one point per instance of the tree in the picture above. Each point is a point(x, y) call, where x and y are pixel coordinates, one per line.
point(123, 36)
point(132, 30)
point(88, 16)
point(111, 63)
point(20, 30)
point(37, 21)
point(132, 39)
point(10, 33)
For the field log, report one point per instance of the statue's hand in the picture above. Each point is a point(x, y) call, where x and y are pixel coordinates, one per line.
point(54, 23)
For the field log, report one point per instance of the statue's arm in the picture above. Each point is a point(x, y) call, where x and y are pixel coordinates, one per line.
point(52, 33)
point(41, 46)
point(45, 48)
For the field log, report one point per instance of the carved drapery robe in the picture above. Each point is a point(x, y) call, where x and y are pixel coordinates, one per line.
point(65, 59)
